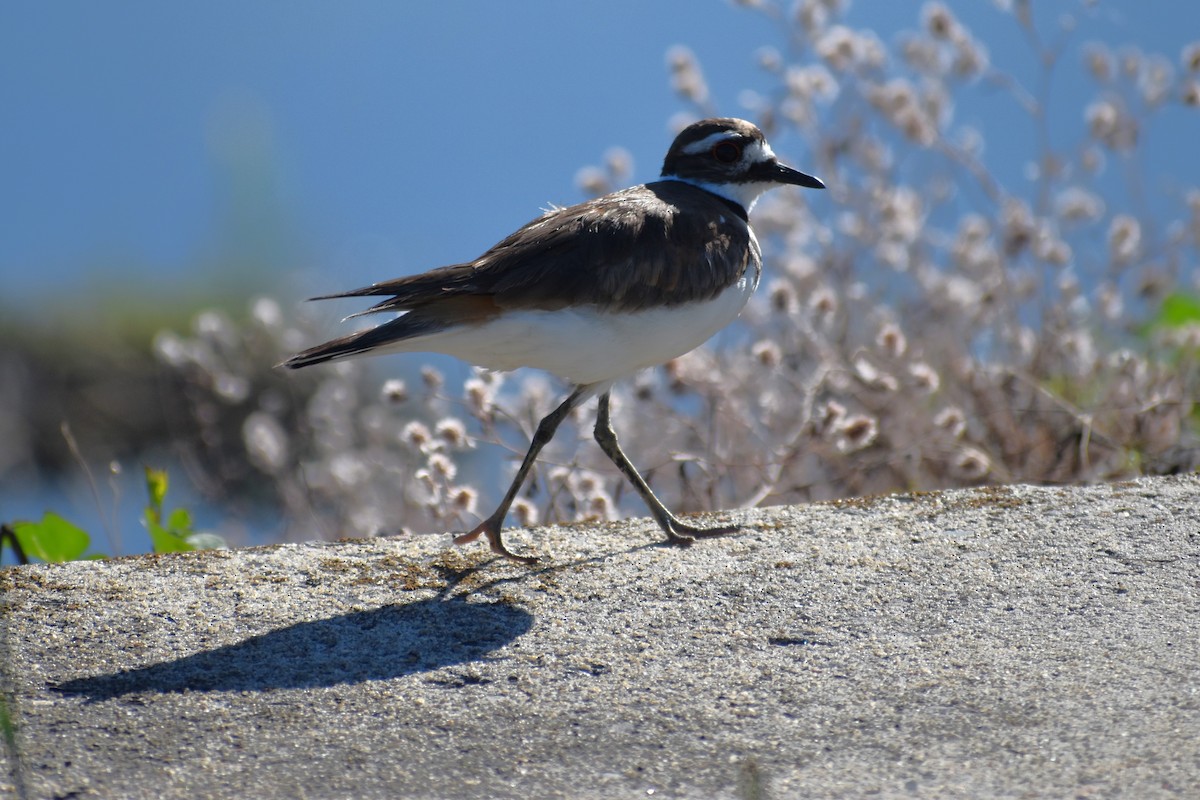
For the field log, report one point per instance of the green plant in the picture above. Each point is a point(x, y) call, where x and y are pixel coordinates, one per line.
point(55, 539)
point(174, 532)
point(52, 539)
point(1178, 309)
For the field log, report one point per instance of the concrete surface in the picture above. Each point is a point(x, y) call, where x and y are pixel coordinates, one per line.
point(1006, 642)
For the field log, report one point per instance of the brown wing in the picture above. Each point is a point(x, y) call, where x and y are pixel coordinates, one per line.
point(664, 243)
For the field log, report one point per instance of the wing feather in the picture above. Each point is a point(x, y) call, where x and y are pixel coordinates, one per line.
point(642, 252)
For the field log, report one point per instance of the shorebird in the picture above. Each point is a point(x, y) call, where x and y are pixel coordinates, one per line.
point(595, 292)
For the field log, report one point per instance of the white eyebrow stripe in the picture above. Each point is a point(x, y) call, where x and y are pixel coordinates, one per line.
point(708, 141)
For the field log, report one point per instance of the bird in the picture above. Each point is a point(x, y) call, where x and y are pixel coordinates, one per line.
point(594, 292)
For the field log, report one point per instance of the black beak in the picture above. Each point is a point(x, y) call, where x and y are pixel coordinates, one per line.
point(778, 173)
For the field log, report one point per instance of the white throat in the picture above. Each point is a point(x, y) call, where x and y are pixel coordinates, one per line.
point(744, 194)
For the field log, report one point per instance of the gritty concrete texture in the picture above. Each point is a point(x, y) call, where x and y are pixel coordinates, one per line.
point(1001, 642)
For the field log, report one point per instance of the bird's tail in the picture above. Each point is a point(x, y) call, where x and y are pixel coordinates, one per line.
point(406, 326)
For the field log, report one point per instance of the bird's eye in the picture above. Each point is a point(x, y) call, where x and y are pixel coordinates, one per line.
point(727, 152)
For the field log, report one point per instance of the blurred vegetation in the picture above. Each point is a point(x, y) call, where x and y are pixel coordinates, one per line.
point(86, 358)
point(94, 367)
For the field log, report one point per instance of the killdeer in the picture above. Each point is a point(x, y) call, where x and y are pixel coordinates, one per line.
point(595, 292)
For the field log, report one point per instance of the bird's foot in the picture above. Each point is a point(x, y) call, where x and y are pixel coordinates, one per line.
point(681, 534)
point(491, 529)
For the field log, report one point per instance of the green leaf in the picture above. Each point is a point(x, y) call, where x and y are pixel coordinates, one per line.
point(8, 728)
point(1179, 309)
point(166, 542)
point(52, 539)
point(180, 522)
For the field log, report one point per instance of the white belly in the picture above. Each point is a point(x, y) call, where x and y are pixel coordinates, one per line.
point(584, 345)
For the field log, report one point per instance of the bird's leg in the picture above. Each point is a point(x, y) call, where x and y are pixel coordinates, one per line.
point(678, 531)
point(490, 527)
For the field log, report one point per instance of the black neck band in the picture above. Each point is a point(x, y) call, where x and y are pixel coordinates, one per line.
point(732, 205)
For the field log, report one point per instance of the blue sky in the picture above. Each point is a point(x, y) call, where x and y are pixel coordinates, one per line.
point(396, 136)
